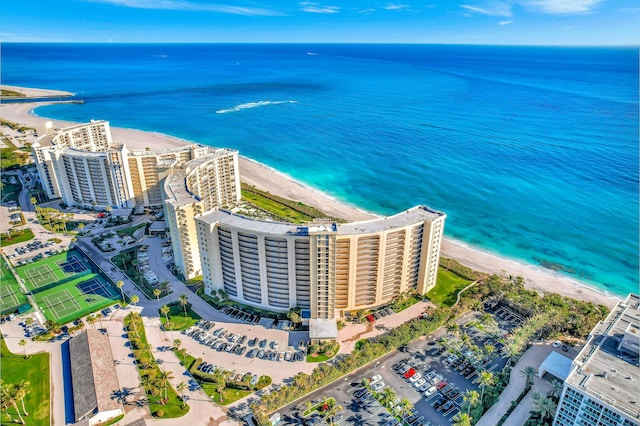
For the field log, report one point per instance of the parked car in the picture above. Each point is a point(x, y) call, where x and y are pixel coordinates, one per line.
point(377, 386)
point(430, 391)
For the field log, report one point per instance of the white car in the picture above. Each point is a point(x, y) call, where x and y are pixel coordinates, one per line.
point(415, 378)
point(556, 344)
point(419, 383)
point(430, 391)
point(378, 386)
point(375, 378)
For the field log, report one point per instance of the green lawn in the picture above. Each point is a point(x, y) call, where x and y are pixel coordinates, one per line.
point(228, 395)
point(447, 288)
point(177, 319)
point(275, 207)
point(34, 370)
point(16, 237)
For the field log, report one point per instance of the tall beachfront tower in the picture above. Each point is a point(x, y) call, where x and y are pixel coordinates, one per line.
point(327, 268)
point(603, 386)
point(206, 183)
point(81, 165)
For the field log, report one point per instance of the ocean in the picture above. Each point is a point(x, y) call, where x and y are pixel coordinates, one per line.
point(531, 151)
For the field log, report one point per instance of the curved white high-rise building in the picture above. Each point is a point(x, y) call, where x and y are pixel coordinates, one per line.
point(328, 268)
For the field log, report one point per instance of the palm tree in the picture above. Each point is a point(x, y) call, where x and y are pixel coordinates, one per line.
point(472, 397)
point(91, 320)
point(182, 386)
point(184, 300)
point(164, 286)
point(165, 377)
point(388, 396)
point(134, 299)
point(10, 395)
point(461, 419)
point(556, 389)
point(543, 406)
point(34, 202)
point(165, 311)
point(405, 407)
point(4, 401)
point(220, 382)
point(99, 317)
point(529, 373)
point(23, 343)
point(21, 390)
point(484, 379)
point(453, 328)
point(157, 292)
point(120, 284)
point(511, 351)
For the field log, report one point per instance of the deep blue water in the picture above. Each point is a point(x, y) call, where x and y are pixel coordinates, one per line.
point(531, 151)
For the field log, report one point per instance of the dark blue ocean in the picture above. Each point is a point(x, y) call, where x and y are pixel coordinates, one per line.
point(531, 151)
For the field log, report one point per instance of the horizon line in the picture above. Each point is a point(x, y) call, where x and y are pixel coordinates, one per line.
point(319, 43)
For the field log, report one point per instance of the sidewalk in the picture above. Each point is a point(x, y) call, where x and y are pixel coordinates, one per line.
point(521, 412)
point(532, 357)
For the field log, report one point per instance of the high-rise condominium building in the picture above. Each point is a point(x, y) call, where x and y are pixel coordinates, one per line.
point(603, 388)
point(206, 183)
point(83, 166)
point(327, 268)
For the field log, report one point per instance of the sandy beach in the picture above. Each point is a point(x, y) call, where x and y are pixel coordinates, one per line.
point(266, 178)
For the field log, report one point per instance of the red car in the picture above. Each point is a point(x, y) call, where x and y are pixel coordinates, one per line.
point(409, 373)
point(441, 385)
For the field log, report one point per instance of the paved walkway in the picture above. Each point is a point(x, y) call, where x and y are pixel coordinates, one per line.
point(521, 413)
point(532, 357)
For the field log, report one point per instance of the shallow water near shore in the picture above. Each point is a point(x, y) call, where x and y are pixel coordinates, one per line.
point(532, 152)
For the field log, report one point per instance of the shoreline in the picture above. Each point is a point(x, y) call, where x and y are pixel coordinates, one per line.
point(266, 178)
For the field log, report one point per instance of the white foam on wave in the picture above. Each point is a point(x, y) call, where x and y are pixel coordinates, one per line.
point(249, 105)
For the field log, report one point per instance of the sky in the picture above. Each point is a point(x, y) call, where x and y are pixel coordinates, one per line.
point(532, 22)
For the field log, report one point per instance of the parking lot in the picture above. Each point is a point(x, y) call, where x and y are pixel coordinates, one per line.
point(433, 374)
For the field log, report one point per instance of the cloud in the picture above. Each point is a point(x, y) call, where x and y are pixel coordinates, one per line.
point(313, 7)
point(559, 7)
point(505, 22)
point(397, 7)
point(493, 9)
point(189, 6)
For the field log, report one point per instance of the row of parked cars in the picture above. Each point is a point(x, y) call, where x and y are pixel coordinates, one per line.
point(205, 367)
point(32, 246)
point(365, 397)
point(240, 315)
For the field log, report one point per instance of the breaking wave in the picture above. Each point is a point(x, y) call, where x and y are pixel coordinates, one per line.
point(252, 105)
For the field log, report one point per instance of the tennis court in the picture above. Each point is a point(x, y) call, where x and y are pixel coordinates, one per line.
point(40, 275)
point(76, 298)
point(95, 286)
point(73, 264)
point(60, 304)
point(11, 297)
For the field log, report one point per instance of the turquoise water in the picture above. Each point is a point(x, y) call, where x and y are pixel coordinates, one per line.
point(531, 151)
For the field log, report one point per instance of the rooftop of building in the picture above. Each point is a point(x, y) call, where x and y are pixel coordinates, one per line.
point(408, 217)
point(93, 373)
point(606, 372)
point(252, 225)
point(323, 329)
point(176, 185)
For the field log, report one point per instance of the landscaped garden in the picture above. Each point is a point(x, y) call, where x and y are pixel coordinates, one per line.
point(322, 351)
point(15, 237)
point(447, 287)
point(164, 401)
point(219, 384)
point(25, 387)
point(178, 317)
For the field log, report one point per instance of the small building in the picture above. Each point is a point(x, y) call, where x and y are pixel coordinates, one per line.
point(322, 329)
point(93, 377)
point(121, 215)
point(158, 227)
